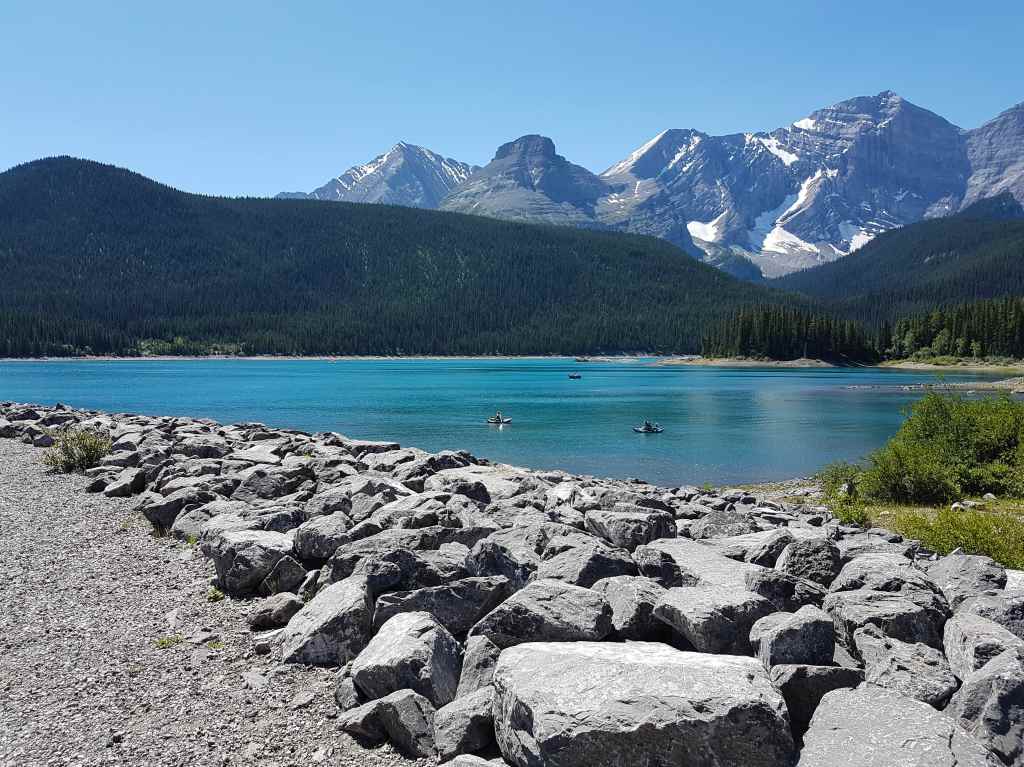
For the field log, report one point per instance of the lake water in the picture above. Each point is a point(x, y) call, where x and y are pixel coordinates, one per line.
point(722, 425)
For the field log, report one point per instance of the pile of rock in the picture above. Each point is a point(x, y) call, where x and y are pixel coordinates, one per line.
point(488, 614)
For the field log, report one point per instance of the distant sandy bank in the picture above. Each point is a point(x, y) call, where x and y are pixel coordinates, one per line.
point(744, 362)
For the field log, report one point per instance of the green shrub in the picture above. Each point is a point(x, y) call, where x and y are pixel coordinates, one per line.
point(76, 450)
point(997, 534)
point(950, 447)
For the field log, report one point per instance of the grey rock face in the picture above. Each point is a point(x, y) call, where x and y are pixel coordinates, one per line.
point(404, 175)
point(271, 482)
point(804, 637)
point(478, 662)
point(333, 627)
point(403, 717)
point(515, 552)
point(915, 670)
point(547, 610)
point(970, 641)
point(883, 572)
point(966, 575)
point(274, 612)
point(713, 619)
point(632, 599)
point(990, 706)
point(465, 725)
point(760, 548)
point(787, 592)
point(723, 524)
point(129, 482)
point(583, 560)
point(996, 154)
point(1004, 608)
point(318, 539)
point(816, 559)
point(244, 558)
point(629, 529)
point(874, 727)
point(585, 704)
point(456, 606)
point(527, 180)
point(804, 686)
point(911, 617)
point(410, 651)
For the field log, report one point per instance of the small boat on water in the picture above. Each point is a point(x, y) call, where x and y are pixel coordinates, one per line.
point(649, 428)
point(583, 359)
point(575, 376)
point(498, 419)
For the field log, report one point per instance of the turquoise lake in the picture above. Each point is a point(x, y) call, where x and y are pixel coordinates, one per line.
point(722, 425)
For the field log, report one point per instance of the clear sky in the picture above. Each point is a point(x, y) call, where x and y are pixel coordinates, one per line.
point(261, 96)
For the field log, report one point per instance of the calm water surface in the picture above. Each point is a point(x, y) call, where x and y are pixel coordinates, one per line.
point(722, 425)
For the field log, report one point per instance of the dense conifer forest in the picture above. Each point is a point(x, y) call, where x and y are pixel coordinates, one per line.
point(100, 260)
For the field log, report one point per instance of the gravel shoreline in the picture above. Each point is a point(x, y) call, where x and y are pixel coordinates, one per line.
point(85, 599)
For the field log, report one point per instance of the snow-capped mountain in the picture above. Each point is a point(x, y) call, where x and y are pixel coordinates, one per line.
point(748, 203)
point(800, 195)
point(528, 180)
point(404, 175)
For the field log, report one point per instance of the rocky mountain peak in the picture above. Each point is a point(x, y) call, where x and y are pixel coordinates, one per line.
point(533, 145)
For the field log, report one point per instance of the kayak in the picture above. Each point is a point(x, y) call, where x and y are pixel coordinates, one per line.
point(653, 430)
point(499, 421)
point(575, 376)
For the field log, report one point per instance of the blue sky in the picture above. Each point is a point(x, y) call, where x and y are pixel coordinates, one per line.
point(256, 97)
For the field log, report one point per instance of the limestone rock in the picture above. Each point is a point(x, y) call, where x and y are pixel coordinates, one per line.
point(410, 651)
point(962, 575)
point(629, 528)
point(915, 670)
point(465, 725)
point(816, 559)
point(970, 641)
point(804, 637)
point(874, 727)
point(547, 610)
point(585, 704)
point(274, 612)
point(632, 599)
point(713, 619)
point(456, 606)
point(990, 706)
point(478, 662)
point(803, 686)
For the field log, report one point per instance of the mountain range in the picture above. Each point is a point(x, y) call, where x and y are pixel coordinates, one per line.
point(753, 204)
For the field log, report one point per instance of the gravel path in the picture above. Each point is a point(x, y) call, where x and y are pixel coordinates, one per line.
point(110, 652)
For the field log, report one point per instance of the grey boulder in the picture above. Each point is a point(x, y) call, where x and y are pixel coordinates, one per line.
point(632, 599)
point(582, 560)
point(971, 641)
point(456, 606)
point(333, 627)
point(990, 706)
point(585, 704)
point(1004, 608)
point(410, 651)
point(465, 725)
point(961, 576)
point(713, 619)
point(804, 637)
point(816, 559)
point(910, 617)
point(632, 527)
point(547, 610)
point(478, 661)
point(873, 727)
point(403, 717)
point(317, 539)
point(274, 612)
point(915, 670)
point(244, 558)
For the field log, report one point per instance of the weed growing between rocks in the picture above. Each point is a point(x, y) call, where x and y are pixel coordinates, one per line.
point(76, 450)
point(214, 594)
point(167, 642)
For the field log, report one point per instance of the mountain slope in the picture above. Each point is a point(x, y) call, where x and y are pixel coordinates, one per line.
point(996, 154)
point(404, 175)
point(976, 254)
point(96, 257)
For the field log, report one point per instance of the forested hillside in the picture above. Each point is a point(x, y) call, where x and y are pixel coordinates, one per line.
point(98, 259)
point(978, 254)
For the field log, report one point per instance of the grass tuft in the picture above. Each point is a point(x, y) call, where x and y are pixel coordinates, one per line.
point(76, 450)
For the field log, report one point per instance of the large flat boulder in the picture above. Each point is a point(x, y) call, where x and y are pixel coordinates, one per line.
point(632, 599)
point(803, 687)
point(873, 727)
point(1006, 609)
point(582, 560)
point(547, 610)
point(806, 636)
point(585, 704)
point(909, 616)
